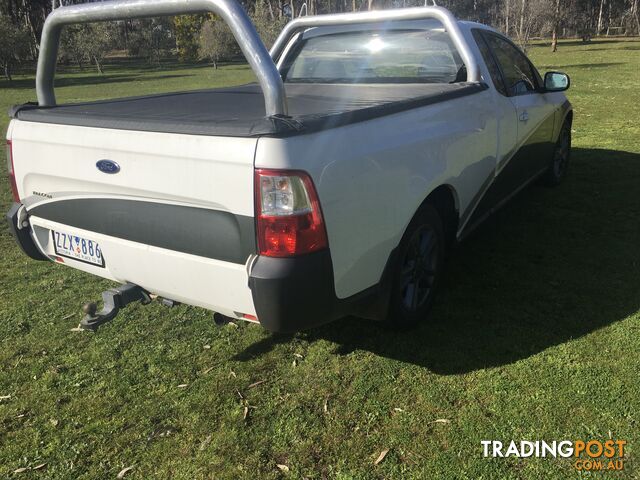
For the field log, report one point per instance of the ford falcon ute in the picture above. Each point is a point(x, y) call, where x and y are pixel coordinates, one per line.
point(335, 185)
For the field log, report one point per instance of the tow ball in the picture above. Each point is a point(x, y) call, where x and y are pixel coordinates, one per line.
point(113, 300)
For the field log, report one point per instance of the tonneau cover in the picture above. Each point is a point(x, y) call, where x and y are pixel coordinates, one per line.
point(239, 111)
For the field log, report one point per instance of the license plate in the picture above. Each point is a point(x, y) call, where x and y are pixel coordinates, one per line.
point(77, 248)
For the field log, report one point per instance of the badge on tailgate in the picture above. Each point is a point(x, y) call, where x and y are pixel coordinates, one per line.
point(77, 248)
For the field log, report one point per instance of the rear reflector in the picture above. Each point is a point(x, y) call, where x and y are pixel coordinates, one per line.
point(288, 216)
point(250, 318)
point(12, 175)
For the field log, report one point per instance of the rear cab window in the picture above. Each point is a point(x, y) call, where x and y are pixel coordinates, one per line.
point(364, 56)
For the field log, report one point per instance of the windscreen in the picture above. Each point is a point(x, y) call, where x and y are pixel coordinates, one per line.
point(375, 56)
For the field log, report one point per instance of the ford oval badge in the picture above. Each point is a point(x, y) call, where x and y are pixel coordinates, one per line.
point(108, 166)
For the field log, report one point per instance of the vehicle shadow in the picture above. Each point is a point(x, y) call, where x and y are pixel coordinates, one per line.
point(550, 267)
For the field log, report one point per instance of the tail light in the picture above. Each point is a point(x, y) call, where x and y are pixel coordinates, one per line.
point(12, 175)
point(288, 217)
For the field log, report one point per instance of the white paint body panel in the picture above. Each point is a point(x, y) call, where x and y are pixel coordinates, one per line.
point(207, 172)
point(372, 176)
point(212, 172)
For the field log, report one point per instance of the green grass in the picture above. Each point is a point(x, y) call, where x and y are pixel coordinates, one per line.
point(534, 336)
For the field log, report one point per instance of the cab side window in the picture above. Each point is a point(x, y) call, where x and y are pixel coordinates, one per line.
point(519, 76)
point(494, 71)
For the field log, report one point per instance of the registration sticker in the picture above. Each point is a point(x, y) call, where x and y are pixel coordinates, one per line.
point(77, 248)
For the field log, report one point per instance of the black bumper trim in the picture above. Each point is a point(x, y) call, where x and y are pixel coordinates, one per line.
point(293, 294)
point(194, 230)
point(23, 235)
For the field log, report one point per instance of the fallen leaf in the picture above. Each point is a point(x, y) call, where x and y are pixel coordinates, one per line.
point(207, 370)
point(5, 397)
point(441, 420)
point(239, 394)
point(325, 407)
point(381, 456)
point(398, 410)
point(77, 329)
point(38, 467)
point(232, 374)
point(255, 384)
point(124, 471)
point(183, 385)
point(20, 470)
point(295, 362)
point(246, 413)
point(282, 467)
point(207, 347)
point(54, 422)
point(205, 442)
point(298, 355)
point(71, 315)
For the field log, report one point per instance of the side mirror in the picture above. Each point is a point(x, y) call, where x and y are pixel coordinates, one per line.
point(556, 81)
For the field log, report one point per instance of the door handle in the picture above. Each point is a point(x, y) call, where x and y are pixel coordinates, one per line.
point(524, 116)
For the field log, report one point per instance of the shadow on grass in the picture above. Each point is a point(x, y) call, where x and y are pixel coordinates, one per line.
point(552, 266)
point(593, 65)
point(29, 83)
point(593, 42)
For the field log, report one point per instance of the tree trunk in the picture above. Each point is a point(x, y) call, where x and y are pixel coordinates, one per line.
point(369, 4)
point(7, 72)
point(98, 65)
point(353, 6)
point(599, 27)
point(506, 17)
point(556, 22)
point(270, 10)
point(634, 14)
point(521, 26)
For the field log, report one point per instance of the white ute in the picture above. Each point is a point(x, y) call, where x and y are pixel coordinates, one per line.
point(335, 185)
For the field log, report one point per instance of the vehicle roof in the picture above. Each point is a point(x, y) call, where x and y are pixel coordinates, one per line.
point(468, 25)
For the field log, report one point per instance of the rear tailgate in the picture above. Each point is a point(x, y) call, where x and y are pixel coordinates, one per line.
point(176, 217)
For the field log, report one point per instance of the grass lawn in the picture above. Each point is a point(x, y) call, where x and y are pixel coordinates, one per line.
point(536, 335)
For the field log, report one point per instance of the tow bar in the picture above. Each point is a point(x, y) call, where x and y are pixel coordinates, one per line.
point(113, 300)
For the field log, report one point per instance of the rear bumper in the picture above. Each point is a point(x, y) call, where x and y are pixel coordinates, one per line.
point(288, 294)
point(22, 234)
point(293, 294)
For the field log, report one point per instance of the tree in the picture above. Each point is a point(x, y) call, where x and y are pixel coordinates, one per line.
point(268, 27)
point(151, 38)
point(187, 31)
point(95, 40)
point(14, 44)
point(70, 47)
point(216, 42)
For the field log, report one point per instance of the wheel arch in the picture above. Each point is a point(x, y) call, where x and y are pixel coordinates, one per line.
point(566, 116)
point(444, 199)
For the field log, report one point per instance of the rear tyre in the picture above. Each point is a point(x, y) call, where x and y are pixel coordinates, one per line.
point(417, 271)
point(560, 160)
